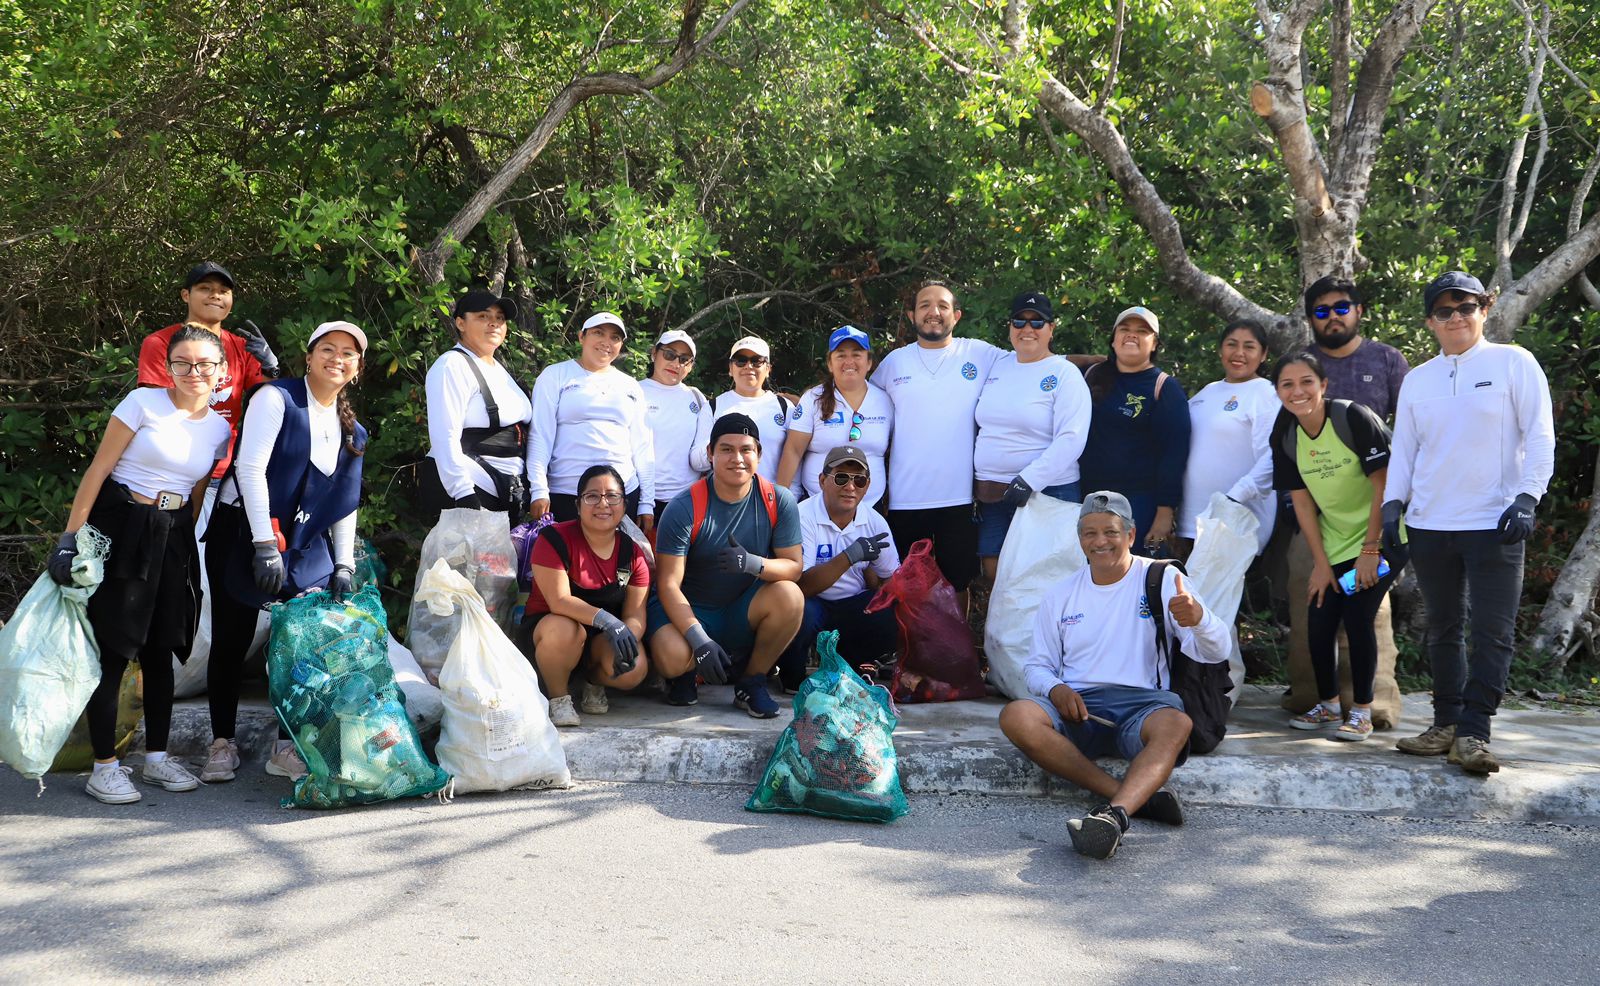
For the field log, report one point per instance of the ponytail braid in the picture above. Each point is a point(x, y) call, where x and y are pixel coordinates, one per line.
point(347, 421)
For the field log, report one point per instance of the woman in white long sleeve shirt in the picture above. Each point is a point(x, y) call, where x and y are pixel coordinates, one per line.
point(845, 409)
point(478, 416)
point(587, 412)
point(749, 365)
point(1033, 418)
point(1230, 435)
point(285, 520)
point(679, 417)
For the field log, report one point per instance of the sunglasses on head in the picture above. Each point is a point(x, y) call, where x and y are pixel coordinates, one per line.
point(757, 361)
point(1029, 323)
point(845, 479)
point(674, 356)
point(1337, 308)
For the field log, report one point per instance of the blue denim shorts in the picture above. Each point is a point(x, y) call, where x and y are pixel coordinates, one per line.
point(728, 625)
point(994, 519)
point(1124, 705)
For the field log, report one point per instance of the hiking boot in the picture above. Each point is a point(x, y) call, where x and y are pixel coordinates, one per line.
point(1099, 833)
point(1473, 755)
point(682, 690)
point(1356, 728)
point(1319, 716)
point(221, 763)
point(1163, 807)
point(751, 695)
point(1435, 740)
point(562, 713)
point(594, 701)
point(285, 762)
point(170, 774)
point(113, 787)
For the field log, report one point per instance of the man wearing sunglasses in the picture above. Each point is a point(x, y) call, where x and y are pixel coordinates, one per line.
point(846, 552)
point(1473, 451)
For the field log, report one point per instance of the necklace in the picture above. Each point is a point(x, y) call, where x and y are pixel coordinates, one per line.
point(944, 354)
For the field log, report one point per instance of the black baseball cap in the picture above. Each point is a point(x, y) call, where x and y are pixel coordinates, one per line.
point(1451, 280)
point(1032, 301)
point(205, 269)
point(479, 300)
point(734, 424)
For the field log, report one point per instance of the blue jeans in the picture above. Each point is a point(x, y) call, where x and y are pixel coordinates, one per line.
point(863, 636)
point(1124, 705)
point(994, 519)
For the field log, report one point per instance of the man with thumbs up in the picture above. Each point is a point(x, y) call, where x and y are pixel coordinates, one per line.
point(1098, 685)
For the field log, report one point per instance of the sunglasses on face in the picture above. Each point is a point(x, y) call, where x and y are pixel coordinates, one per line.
point(1029, 323)
point(842, 479)
point(673, 356)
point(756, 361)
point(856, 420)
point(1337, 308)
point(1444, 312)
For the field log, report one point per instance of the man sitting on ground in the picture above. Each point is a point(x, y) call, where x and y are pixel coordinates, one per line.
point(1095, 679)
point(727, 557)
point(847, 554)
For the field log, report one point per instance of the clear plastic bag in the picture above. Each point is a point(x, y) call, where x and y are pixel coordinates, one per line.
point(477, 545)
point(1041, 549)
point(938, 660)
point(1224, 546)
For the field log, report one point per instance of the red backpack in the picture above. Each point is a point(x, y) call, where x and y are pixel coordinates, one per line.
point(700, 497)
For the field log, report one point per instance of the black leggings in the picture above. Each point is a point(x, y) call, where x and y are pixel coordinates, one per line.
point(233, 627)
point(156, 662)
point(1356, 613)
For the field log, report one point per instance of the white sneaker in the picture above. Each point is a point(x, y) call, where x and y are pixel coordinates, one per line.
point(562, 713)
point(221, 763)
point(170, 774)
point(114, 786)
point(594, 701)
point(286, 762)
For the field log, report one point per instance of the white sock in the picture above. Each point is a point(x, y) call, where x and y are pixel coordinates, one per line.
point(1330, 706)
point(1359, 714)
point(155, 757)
point(104, 768)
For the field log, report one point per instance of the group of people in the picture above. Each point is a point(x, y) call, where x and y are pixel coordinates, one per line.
point(773, 518)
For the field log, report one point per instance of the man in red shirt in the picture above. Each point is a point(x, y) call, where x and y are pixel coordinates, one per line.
point(208, 293)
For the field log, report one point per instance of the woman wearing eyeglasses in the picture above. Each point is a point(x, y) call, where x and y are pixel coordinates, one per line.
point(586, 609)
point(1033, 419)
point(586, 411)
point(844, 409)
point(679, 417)
point(750, 364)
point(143, 491)
point(285, 522)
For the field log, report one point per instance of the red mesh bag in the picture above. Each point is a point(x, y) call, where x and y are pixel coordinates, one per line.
point(938, 659)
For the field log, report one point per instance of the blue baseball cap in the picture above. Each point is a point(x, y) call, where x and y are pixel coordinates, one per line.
point(1452, 280)
point(849, 333)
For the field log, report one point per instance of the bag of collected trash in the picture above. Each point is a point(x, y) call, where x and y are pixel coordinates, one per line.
point(938, 661)
point(424, 704)
point(837, 757)
point(329, 679)
point(1041, 549)
point(370, 569)
point(78, 753)
point(477, 544)
point(1224, 547)
point(496, 734)
point(522, 538)
point(49, 661)
point(189, 675)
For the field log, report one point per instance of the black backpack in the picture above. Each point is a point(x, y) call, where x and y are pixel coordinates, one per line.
point(1202, 686)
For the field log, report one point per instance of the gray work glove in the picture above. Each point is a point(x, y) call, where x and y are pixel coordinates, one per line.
point(1392, 512)
point(1017, 493)
point(866, 548)
point(255, 343)
point(268, 569)
point(734, 558)
point(1516, 524)
point(714, 663)
point(60, 564)
point(339, 584)
point(624, 645)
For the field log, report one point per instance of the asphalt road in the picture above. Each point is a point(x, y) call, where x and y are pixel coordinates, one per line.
point(639, 883)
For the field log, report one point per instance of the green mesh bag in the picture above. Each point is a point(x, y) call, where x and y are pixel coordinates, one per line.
point(836, 759)
point(331, 683)
point(370, 569)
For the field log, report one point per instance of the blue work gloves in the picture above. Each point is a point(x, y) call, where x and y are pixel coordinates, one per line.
point(255, 343)
point(624, 645)
point(735, 558)
point(866, 548)
point(714, 663)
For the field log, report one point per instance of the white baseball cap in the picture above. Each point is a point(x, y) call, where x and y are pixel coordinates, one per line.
point(754, 345)
point(604, 318)
point(678, 335)
point(350, 327)
point(1142, 313)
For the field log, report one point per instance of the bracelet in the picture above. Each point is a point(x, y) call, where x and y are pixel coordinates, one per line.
point(1371, 551)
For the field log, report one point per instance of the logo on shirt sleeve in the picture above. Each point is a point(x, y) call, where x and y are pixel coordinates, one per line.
point(777, 419)
point(969, 370)
point(1049, 383)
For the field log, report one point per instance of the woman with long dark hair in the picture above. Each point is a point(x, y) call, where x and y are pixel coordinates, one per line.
point(844, 409)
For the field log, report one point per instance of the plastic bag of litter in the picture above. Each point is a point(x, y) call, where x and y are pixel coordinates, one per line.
point(477, 545)
point(424, 704)
point(1041, 549)
point(938, 661)
point(496, 734)
point(837, 757)
point(49, 661)
point(370, 569)
point(329, 679)
point(78, 753)
point(1224, 547)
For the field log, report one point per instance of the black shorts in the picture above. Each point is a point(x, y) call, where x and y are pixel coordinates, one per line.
point(954, 534)
point(564, 506)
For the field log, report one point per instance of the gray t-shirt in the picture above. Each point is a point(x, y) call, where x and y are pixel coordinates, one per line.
point(1370, 376)
point(703, 583)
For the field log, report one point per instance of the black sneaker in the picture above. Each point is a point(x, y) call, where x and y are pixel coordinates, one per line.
point(1163, 807)
point(682, 690)
point(1099, 833)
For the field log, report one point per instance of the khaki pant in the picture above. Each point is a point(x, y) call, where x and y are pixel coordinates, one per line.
point(1303, 681)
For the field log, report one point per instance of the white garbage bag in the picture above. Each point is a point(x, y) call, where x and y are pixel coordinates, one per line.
point(1224, 547)
point(477, 545)
point(189, 677)
point(496, 734)
point(424, 703)
point(1041, 549)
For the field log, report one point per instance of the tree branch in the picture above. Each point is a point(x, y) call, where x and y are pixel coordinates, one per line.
point(1358, 149)
point(1538, 285)
point(1116, 56)
point(1507, 235)
point(734, 299)
point(1339, 77)
point(1575, 220)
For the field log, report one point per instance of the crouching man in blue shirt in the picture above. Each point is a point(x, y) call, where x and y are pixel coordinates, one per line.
point(1095, 679)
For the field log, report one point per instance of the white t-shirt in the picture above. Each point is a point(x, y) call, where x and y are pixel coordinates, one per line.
point(877, 423)
point(1033, 419)
point(822, 541)
point(1086, 634)
point(771, 420)
point(170, 451)
point(582, 419)
point(1230, 451)
point(680, 427)
point(454, 403)
point(935, 394)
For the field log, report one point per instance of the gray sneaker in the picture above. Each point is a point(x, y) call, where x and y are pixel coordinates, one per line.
point(593, 701)
point(170, 774)
point(562, 714)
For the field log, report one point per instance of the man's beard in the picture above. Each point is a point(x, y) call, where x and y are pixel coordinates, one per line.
point(925, 331)
point(1329, 339)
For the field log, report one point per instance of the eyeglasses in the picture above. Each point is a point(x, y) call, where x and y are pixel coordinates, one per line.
point(673, 356)
point(1337, 308)
point(1445, 313)
point(856, 421)
point(182, 368)
point(1029, 323)
point(345, 357)
point(845, 479)
point(756, 361)
point(594, 499)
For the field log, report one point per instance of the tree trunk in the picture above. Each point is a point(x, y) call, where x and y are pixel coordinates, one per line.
point(1569, 613)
